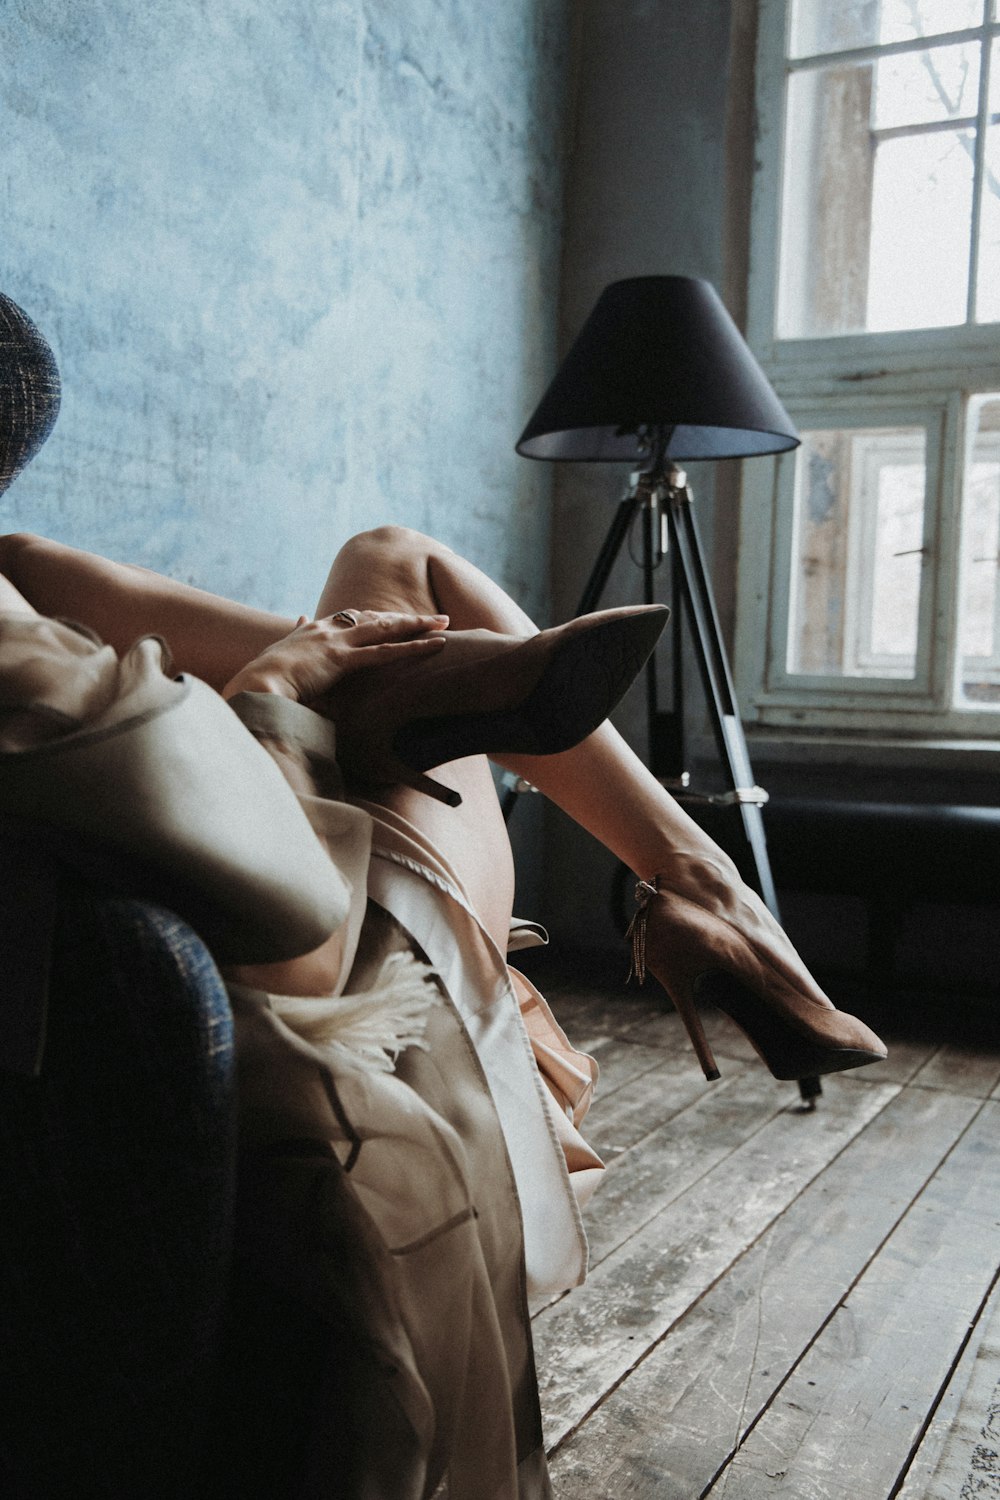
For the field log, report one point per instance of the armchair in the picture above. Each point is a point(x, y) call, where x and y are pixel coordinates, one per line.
point(117, 1171)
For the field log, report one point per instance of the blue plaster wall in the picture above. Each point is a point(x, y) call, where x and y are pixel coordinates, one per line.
point(298, 263)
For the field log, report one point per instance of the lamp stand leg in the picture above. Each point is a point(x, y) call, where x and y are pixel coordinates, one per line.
point(611, 546)
point(647, 503)
point(713, 663)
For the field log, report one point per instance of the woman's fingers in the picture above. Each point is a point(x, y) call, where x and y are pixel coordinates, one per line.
point(309, 660)
point(374, 626)
point(388, 653)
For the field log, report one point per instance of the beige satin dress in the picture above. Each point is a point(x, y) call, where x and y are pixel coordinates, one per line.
point(456, 1171)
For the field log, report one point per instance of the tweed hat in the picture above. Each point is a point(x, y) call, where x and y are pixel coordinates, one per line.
point(29, 390)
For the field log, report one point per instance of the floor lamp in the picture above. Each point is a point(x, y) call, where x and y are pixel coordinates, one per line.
point(659, 374)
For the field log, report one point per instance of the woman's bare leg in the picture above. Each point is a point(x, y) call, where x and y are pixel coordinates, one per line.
point(387, 568)
point(600, 783)
point(393, 568)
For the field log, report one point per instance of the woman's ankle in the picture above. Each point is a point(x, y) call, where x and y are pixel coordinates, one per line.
point(678, 869)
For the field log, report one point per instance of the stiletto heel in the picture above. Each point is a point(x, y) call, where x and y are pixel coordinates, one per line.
point(431, 788)
point(490, 694)
point(712, 938)
point(684, 1000)
point(688, 1013)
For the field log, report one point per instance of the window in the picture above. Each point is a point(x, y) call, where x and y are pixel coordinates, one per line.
point(870, 556)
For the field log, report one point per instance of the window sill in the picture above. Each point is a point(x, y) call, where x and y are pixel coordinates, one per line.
point(878, 752)
point(880, 768)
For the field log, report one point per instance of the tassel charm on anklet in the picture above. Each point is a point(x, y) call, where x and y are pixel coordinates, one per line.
point(636, 930)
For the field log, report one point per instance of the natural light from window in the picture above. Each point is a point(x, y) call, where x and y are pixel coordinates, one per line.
point(892, 168)
point(869, 590)
point(858, 549)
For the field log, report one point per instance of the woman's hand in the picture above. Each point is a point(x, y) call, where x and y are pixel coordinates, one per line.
point(307, 663)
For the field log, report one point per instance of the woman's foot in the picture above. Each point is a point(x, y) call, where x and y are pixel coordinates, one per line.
point(489, 694)
point(705, 935)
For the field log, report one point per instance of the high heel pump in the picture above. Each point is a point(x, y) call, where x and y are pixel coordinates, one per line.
point(706, 936)
point(489, 694)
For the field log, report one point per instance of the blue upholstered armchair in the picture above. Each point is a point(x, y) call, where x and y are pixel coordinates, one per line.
point(117, 1166)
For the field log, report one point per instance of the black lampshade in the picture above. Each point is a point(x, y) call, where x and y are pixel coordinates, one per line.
point(658, 352)
point(29, 390)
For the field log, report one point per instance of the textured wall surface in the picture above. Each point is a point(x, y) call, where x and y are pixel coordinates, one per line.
point(298, 263)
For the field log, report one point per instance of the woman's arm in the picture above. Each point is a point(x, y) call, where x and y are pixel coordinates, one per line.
point(208, 636)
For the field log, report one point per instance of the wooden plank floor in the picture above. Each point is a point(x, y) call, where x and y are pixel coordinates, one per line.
point(781, 1302)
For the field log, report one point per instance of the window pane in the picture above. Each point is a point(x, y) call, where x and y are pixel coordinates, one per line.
point(902, 20)
point(857, 552)
point(836, 25)
point(875, 234)
point(921, 213)
point(988, 277)
point(979, 620)
point(914, 88)
point(829, 165)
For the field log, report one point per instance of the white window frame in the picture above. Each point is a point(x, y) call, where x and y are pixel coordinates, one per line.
point(989, 666)
point(790, 685)
point(871, 379)
point(868, 457)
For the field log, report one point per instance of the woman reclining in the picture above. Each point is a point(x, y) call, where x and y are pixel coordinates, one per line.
point(410, 1162)
point(416, 662)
